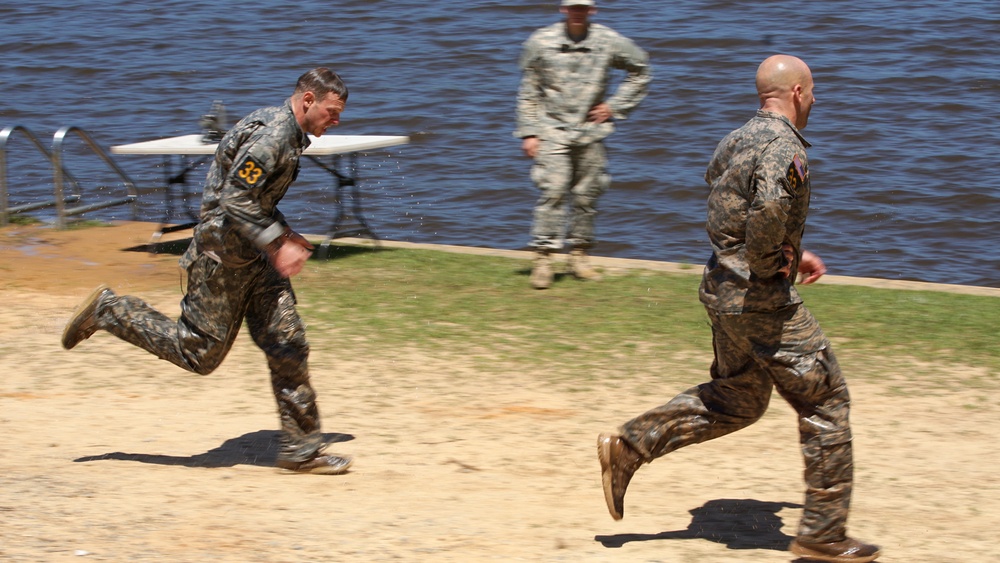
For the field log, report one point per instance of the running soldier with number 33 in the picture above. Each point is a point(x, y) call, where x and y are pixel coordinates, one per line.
point(238, 267)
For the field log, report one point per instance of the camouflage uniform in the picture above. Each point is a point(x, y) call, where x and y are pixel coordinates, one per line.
point(763, 336)
point(230, 278)
point(561, 81)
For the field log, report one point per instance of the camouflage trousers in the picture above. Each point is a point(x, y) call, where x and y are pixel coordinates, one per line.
point(217, 301)
point(755, 352)
point(567, 176)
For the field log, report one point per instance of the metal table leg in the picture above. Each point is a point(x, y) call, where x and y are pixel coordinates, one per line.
point(172, 180)
point(341, 227)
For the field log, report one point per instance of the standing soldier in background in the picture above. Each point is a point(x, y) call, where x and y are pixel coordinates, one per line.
point(763, 336)
point(562, 117)
point(238, 266)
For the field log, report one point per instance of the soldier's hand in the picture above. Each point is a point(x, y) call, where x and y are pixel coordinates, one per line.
point(530, 146)
point(811, 267)
point(290, 257)
point(299, 240)
point(789, 253)
point(599, 113)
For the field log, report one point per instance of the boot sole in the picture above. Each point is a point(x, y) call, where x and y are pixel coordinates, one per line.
point(324, 470)
point(604, 455)
point(806, 553)
point(73, 325)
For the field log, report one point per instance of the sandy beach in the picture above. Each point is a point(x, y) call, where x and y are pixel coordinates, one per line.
point(109, 454)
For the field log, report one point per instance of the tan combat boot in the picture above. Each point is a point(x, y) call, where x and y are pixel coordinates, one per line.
point(324, 464)
point(83, 324)
point(579, 266)
point(848, 550)
point(541, 271)
point(618, 463)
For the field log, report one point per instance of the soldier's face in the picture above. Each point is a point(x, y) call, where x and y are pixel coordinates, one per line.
point(321, 114)
point(806, 99)
point(577, 15)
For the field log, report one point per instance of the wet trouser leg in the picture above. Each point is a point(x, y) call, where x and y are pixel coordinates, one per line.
point(736, 397)
point(217, 300)
point(754, 351)
point(808, 376)
point(561, 172)
point(211, 314)
point(277, 329)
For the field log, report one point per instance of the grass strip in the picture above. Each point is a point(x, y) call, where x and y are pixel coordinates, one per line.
point(483, 306)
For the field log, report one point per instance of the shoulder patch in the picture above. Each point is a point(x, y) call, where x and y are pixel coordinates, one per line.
point(799, 167)
point(796, 174)
point(250, 172)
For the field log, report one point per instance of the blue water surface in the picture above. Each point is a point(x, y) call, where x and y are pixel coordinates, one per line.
point(904, 132)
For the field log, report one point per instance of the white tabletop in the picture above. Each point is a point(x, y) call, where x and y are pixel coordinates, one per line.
point(325, 145)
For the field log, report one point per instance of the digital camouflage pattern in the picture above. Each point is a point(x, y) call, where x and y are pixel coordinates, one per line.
point(229, 279)
point(763, 337)
point(256, 162)
point(759, 199)
point(755, 352)
point(561, 81)
point(560, 171)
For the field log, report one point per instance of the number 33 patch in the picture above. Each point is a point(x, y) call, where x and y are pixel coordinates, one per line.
point(796, 174)
point(250, 173)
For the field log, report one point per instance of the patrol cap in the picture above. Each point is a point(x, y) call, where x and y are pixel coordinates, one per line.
point(578, 3)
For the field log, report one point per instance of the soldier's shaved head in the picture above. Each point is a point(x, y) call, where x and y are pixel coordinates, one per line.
point(780, 73)
point(785, 86)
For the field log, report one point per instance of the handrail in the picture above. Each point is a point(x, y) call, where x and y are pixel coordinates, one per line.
point(5, 209)
point(132, 194)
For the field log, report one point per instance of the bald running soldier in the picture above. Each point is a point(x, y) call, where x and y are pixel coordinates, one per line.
point(763, 336)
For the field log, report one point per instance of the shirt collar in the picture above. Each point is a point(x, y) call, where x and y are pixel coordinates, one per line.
point(788, 122)
point(302, 138)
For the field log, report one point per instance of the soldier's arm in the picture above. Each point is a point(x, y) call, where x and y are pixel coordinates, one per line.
point(634, 87)
point(240, 197)
point(528, 94)
point(767, 216)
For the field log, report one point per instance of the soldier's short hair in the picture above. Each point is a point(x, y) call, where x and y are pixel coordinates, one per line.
point(321, 81)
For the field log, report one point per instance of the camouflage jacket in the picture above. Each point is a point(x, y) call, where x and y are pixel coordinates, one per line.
point(759, 199)
point(561, 81)
point(254, 165)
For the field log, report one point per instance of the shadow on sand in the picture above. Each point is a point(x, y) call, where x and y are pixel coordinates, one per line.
point(255, 448)
point(736, 523)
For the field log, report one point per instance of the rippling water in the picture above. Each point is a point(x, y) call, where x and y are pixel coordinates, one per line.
point(904, 134)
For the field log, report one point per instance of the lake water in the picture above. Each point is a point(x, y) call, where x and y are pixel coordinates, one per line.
point(905, 131)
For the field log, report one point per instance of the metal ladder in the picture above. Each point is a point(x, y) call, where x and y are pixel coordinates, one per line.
point(60, 178)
